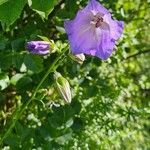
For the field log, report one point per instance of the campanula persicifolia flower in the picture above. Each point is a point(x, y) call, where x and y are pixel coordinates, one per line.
point(38, 47)
point(93, 31)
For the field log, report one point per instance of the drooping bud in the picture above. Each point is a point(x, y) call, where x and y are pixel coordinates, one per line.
point(79, 58)
point(63, 87)
point(39, 47)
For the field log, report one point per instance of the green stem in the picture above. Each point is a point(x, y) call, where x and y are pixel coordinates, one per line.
point(18, 114)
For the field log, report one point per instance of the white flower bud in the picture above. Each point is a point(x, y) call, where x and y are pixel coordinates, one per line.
point(63, 87)
point(79, 58)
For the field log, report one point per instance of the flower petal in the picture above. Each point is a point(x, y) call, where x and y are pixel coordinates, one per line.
point(38, 47)
point(96, 6)
point(40, 52)
point(116, 27)
point(80, 33)
point(106, 45)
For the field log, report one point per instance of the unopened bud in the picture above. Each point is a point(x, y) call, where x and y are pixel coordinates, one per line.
point(39, 47)
point(79, 58)
point(63, 87)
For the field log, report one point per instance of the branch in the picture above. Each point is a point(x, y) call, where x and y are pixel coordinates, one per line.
point(139, 53)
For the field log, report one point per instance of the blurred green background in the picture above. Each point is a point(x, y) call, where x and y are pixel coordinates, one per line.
point(110, 108)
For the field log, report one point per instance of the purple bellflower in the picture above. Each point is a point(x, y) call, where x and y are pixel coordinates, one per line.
point(38, 47)
point(93, 31)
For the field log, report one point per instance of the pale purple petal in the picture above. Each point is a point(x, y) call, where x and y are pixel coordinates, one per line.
point(80, 32)
point(96, 6)
point(81, 39)
point(106, 45)
point(116, 27)
point(41, 52)
point(38, 47)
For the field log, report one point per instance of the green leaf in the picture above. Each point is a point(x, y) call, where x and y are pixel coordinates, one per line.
point(5, 61)
point(24, 83)
point(2, 45)
point(18, 44)
point(44, 38)
point(43, 7)
point(33, 63)
point(12, 141)
point(64, 138)
point(69, 123)
point(16, 78)
point(4, 81)
point(3, 1)
point(10, 11)
point(17, 61)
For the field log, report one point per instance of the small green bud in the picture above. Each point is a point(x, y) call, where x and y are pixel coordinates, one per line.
point(63, 87)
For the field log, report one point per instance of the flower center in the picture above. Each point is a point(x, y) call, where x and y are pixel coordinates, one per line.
point(97, 20)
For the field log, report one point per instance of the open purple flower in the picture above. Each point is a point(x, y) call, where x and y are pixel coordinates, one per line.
point(38, 47)
point(93, 31)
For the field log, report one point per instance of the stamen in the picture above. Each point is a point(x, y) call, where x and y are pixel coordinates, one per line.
point(97, 20)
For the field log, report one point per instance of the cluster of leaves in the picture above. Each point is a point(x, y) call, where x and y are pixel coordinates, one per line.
point(110, 108)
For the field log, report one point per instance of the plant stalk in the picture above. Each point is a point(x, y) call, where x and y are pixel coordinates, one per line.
point(17, 115)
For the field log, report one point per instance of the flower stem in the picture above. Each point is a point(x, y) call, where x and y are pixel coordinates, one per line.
point(18, 114)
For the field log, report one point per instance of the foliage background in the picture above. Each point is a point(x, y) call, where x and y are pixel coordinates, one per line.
point(110, 108)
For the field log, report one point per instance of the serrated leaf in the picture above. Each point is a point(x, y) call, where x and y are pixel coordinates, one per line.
point(33, 63)
point(11, 10)
point(43, 6)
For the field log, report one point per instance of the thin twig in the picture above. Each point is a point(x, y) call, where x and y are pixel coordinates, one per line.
point(138, 53)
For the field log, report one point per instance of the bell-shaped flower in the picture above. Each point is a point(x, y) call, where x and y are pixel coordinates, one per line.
point(93, 31)
point(38, 47)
